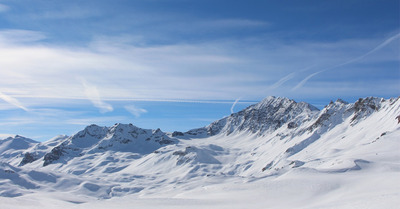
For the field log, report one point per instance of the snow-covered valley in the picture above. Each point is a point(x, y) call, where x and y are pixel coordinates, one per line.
point(274, 154)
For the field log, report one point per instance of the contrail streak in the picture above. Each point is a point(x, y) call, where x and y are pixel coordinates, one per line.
point(283, 80)
point(380, 46)
point(234, 104)
point(288, 77)
point(305, 80)
point(13, 101)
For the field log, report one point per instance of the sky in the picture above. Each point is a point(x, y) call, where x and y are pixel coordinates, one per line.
point(181, 64)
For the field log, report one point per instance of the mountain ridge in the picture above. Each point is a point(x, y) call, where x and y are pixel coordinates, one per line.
point(274, 137)
point(268, 115)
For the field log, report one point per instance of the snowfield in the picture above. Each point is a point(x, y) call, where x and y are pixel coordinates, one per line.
point(274, 154)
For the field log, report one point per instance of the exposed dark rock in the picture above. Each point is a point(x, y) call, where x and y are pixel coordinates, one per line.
point(292, 125)
point(364, 107)
point(164, 141)
point(268, 166)
point(177, 133)
point(268, 115)
point(124, 141)
point(180, 153)
point(54, 155)
point(28, 158)
point(320, 121)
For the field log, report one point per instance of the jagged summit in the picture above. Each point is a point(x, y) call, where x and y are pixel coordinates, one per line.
point(341, 101)
point(101, 136)
point(282, 102)
point(267, 115)
point(336, 112)
point(119, 137)
point(365, 107)
point(99, 139)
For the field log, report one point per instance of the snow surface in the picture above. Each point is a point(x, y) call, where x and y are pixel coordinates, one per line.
point(275, 154)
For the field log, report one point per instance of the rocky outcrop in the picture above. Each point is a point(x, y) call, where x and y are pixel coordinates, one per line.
point(54, 155)
point(266, 116)
point(28, 158)
point(365, 107)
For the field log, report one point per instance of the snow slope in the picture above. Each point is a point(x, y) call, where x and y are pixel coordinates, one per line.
point(275, 154)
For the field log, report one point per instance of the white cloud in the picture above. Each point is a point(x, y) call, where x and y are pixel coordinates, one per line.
point(12, 101)
point(234, 104)
point(68, 13)
point(283, 80)
point(4, 8)
point(380, 46)
point(288, 77)
point(93, 95)
point(182, 72)
point(4, 136)
point(232, 23)
point(302, 82)
point(136, 111)
point(11, 36)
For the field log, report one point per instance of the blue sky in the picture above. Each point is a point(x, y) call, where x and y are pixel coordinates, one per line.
point(181, 64)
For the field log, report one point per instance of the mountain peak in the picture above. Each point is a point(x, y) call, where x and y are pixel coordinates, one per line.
point(19, 138)
point(16, 143)
point(282, 102)
point(117, 138)
point(270, 100)
point(341, 101)
point(268, 115)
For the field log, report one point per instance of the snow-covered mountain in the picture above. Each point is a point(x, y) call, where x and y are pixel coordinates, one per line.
point(278, 143)
point(118, 138)
point(12, 147)
point(263, 117)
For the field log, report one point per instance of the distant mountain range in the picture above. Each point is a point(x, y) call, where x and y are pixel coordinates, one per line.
point(270, 138)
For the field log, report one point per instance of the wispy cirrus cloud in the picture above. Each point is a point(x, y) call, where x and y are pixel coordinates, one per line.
point(234, 23)
point(380, 46)
point(302, 82)
point(93, 95)
point(172, 72)
point(13, 101)
point(11, 36)
point(4, 8)
point(136, 111)
point(283, 80)
point(69, 13)
point(3, 136)
point(288, 77)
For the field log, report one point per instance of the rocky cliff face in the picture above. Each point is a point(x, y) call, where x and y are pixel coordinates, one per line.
point(338, 111)
point(265, 116)
point(275, 112)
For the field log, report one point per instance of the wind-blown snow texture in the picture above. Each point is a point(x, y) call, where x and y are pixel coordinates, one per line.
point(274, 154)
